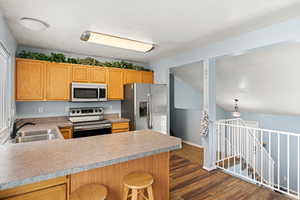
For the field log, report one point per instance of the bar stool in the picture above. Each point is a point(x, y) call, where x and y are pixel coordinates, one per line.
point(90, 192)
point(138, 182)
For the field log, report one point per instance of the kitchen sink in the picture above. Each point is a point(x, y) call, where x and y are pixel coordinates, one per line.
point(35, 138)
point(31, 136)
point(33, 133)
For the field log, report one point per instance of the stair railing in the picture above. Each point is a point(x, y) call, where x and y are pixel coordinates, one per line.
point(260, 156)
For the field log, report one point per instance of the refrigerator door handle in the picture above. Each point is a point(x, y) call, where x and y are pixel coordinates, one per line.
point(149, 112)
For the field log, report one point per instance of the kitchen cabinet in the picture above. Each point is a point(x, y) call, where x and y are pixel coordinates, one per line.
point(47, 81)
point(147, 77)
point(115, 84)
point(119, 127)
point(88, 74)
point(30, 76)
point(80, 73)
point(56, 192)
point(56, 188)
point(132, 76)
point(97, 75)
point(58, 77)
point(67, 132)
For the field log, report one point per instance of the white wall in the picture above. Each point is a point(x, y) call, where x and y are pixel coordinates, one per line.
point(186, 106)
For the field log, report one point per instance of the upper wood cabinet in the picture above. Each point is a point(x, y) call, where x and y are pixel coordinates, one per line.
point(30, 76)
point(147, 77)
point(58, 77)
point(97, 75)
point(46, 81)
point(88, 74)
point(132, 76)
point(80, 73)
point(115, 83)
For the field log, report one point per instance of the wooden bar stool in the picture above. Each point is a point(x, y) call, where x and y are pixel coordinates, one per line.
point(90, 192)
point(138, 182)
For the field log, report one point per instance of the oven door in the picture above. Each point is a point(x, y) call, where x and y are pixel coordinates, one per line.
point(91, 130)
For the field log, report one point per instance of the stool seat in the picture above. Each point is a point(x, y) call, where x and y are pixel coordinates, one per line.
point(138, 180)
point(90, 192)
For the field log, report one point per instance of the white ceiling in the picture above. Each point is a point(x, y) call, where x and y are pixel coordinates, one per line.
point(265, 80)
point(172, 25)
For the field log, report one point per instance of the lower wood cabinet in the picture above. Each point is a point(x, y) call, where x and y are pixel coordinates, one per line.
point(119, 127)
point(53, 189)
point(67, 132)
point(56, 192)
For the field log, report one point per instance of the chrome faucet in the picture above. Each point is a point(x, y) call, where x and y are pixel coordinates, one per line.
point(15, 129)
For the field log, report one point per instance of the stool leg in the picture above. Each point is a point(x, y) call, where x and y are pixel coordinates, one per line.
point(125, 192)
point(150, 193)
point(134, 194)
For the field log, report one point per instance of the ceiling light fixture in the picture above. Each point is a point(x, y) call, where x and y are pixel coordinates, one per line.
point(114, 41)
point(236, 112)
point(33, 24)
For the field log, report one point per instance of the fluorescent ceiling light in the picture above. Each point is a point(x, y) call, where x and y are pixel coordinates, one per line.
point(33, 24)
point(114, 41)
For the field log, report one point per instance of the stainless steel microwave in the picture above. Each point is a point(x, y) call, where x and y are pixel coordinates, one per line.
point(84, 92)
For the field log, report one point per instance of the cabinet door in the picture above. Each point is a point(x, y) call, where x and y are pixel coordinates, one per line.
point(57, 192)
point(97, 75)
point(80, 73)
point(132, 76)
point(66, 133)
point(30, 80)
point(147, 77)
point(115, 84)
point(58, 81)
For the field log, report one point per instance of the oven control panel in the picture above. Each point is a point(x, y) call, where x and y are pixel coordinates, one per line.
point(86, 111)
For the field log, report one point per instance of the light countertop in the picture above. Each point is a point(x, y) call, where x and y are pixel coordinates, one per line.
point(37, 161)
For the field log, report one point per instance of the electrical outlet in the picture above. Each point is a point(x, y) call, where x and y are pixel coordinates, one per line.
point(41, 109)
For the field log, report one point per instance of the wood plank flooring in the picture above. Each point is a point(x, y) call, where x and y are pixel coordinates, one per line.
point(192, 153)
point(188, 181)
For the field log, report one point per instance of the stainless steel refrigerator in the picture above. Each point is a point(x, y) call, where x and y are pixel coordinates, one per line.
point(146, 106)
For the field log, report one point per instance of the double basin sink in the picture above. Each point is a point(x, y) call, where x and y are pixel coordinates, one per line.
point(31, 136)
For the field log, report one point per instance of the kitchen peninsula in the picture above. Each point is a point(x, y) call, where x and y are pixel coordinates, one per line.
point(104, 159)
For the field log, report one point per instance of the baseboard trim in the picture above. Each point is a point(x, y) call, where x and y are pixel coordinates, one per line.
point(209, 168)
point(192, 144)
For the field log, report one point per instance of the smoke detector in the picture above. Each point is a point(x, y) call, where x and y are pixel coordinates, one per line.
point(33, 24)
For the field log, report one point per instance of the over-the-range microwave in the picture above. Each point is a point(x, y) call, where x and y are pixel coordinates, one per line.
point(84, 92)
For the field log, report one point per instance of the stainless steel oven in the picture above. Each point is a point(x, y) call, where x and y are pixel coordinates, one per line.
point(88, 121)
point(84, 92)
point(85, 129)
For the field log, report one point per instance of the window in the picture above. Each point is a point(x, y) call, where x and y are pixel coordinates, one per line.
point(5, 93)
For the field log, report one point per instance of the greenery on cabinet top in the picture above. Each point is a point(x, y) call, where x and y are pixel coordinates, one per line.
point(59, 57)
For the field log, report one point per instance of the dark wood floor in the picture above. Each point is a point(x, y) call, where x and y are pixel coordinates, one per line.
point(188, 181)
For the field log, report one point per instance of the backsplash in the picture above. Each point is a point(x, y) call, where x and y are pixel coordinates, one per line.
point(60, 108)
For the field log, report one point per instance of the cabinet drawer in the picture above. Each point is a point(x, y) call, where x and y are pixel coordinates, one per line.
point(119, 130)
point(121, 125)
